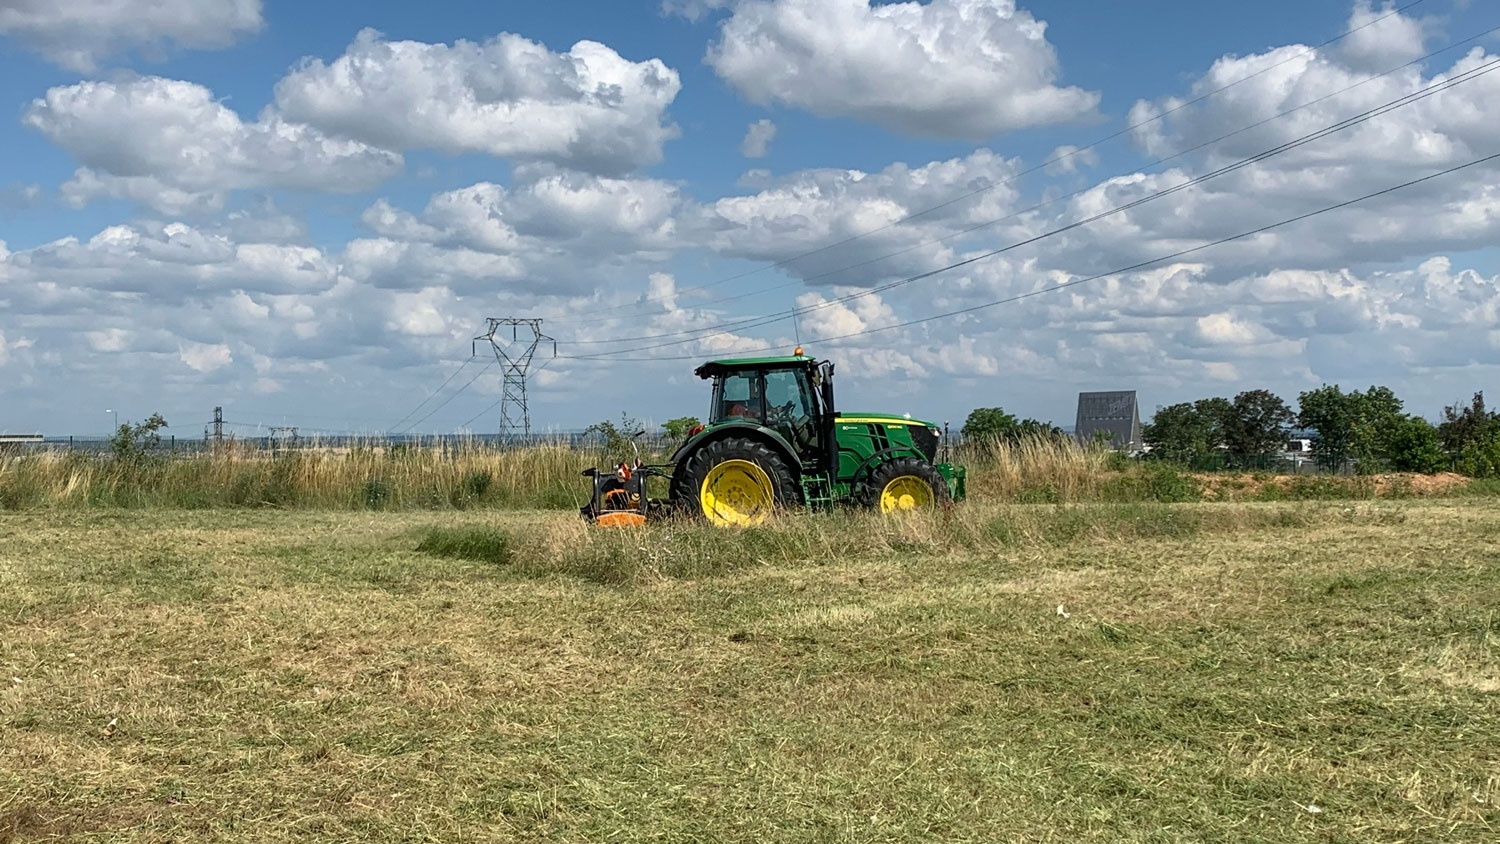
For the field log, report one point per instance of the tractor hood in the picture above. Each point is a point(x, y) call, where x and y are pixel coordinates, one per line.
point(881, 419)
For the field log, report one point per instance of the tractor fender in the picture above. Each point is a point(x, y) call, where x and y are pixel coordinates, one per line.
point(746, 430)
point(879, 457)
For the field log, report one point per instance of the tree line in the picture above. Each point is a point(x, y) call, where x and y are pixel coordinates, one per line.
point(1368, 429)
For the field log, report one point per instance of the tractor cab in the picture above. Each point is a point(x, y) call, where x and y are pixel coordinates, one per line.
point(792, 396)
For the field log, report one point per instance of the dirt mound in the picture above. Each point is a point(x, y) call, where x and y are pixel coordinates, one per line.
point(1253, 486)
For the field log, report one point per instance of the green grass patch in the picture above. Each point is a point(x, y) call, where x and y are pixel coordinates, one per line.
point(482, 544)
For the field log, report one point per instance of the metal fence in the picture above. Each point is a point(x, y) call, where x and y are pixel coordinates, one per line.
point(196, 446)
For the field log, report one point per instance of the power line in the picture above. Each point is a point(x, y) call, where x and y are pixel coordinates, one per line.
point(1369, 114)
point(798, 282)
point(1048, 162)
point(498, 401)
point(450, 398)
point(703, 330)
point(430, 396)
point(1137, 266)
point(298, 414)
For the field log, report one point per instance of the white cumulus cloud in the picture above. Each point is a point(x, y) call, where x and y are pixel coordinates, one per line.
point(79, 34)
point(1380, 37)
point(568, 227)
point(205, 357)
point(947, 69)
point(171, 145)
point(758, 139)
point(588, 108)
point(806, 211)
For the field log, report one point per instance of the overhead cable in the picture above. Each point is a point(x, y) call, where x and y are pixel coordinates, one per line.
point(1055, 159)
point(1369, 114)
point(1131, 268)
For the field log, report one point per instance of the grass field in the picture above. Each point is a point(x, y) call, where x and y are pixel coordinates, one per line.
point(1301, 671)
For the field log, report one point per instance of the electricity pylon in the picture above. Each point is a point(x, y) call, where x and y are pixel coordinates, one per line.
point(514, 417)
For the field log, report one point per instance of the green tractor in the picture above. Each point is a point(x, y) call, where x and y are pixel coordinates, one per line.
point(775, 440)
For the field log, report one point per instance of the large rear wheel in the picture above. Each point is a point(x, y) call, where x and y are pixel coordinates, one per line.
point(903, 484)
point(733, 482)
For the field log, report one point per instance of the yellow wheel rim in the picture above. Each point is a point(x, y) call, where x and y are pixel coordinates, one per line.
point(907, 492)
point(737, 492)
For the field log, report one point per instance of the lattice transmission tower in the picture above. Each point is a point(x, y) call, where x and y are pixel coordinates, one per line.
point(514, 416)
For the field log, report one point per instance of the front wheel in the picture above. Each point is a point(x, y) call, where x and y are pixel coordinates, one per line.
point(905, 483)
point(733, 481)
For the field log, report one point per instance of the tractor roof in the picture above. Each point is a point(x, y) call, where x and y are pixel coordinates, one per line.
point(719, 367)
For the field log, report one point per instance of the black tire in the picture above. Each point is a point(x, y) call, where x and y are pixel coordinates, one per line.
point(688, 477)
point(869, 491)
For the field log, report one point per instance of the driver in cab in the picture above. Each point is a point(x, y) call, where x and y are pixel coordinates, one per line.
point(750, 407)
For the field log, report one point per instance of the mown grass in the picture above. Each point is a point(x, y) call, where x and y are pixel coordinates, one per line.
point(1111, 673)
point(1030, 472)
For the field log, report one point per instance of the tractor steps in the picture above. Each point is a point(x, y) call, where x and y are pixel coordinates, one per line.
point(816, 493)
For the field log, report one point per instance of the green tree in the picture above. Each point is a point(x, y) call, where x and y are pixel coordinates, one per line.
point(1379, 414)
point(1414, 446)
point(1187, 432)
point(1353, 424)
point(618, 438)
point(989, 423)
point(1255, 423)
point(1472, 434)
point(1328, 411)
point(1468, 425)
point(1036, 429)
point(134, 441)
point(677, 429)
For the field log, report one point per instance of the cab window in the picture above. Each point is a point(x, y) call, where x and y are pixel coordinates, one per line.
point(787, 393)
point(738, 397)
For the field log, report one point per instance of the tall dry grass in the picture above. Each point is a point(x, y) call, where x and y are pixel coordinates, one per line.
point(1044, 468)
point(1031, 471)
point(431, 477)
point(357, 478)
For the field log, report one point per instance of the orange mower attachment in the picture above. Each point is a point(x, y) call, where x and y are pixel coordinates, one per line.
point(619, 497)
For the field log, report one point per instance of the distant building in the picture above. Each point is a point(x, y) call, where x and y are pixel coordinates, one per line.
point(11, 442)
point(1113, 413)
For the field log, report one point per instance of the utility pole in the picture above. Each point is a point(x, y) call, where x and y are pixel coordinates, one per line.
point(514, 416)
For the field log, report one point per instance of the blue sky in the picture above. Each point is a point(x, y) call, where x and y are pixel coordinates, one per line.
point(202, 207)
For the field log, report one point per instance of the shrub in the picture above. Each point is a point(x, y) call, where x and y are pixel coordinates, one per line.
point(376, 493)
point(133, 441)
point(473, 489)
point(1414, 446)
point(1164, 483)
